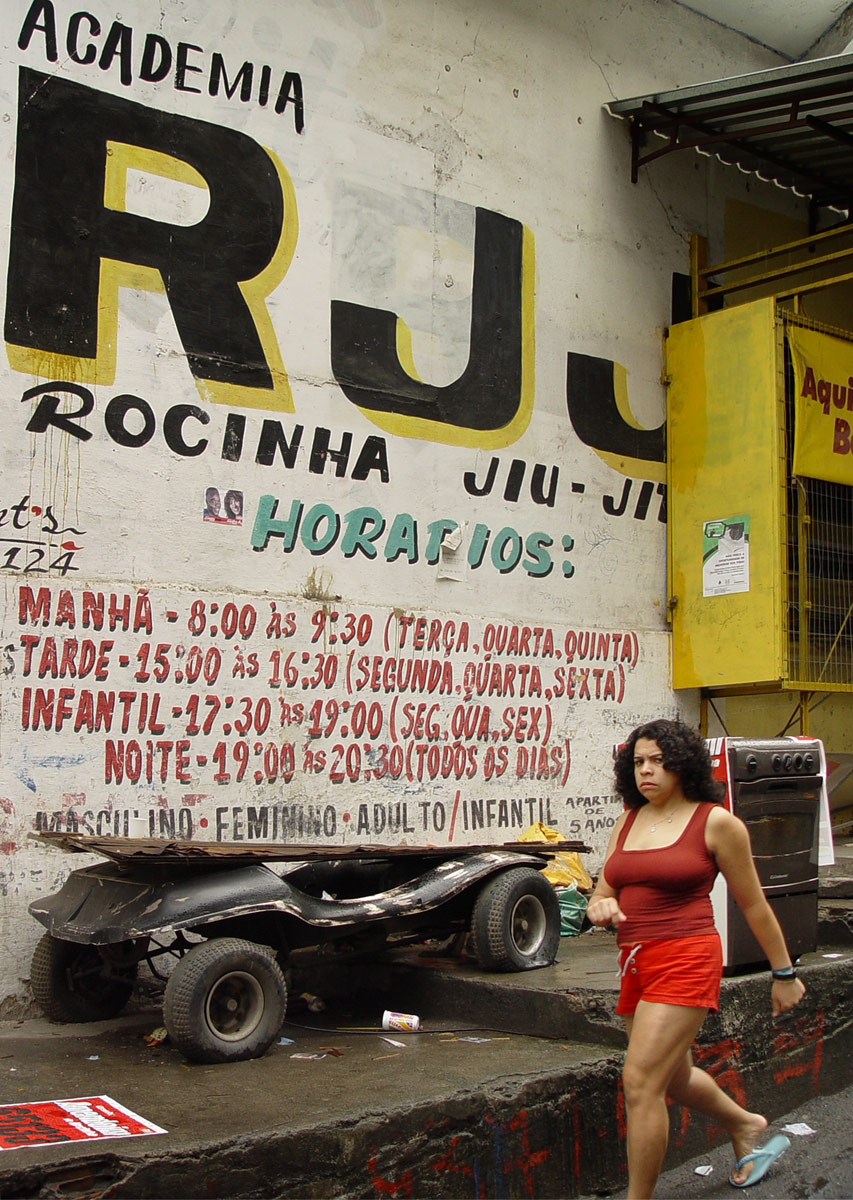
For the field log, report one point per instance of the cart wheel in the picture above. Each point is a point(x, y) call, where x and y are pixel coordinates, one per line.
point(516, 921)
point(473, 948)
point(225, 1001)
point(75, 982)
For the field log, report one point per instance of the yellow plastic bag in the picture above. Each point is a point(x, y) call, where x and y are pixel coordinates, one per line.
point(565, 866)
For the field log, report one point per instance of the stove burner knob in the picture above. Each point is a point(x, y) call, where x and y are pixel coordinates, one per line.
point(798, 762)
point(751, 763)
point(777, 762)
point(788, 762)
point(809, 763)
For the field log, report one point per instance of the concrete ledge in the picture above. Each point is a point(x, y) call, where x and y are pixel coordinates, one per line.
point(773, 1065)
point(514, 1138)
point(533, 1111)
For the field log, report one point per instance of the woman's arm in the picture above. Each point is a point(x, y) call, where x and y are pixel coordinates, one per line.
point(603, 906)
point(727, 838)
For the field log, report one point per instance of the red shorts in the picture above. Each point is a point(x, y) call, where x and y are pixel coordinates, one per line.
point(685, 971)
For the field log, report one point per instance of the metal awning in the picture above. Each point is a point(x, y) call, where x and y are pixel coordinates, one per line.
point(790, 125)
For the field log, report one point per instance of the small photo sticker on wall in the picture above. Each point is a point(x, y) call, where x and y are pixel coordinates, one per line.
point(725, 556)
point(224, 512)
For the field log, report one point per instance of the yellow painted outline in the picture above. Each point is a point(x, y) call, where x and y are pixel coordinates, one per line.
point(114, 274)
point(637, 468)
point(405, 353)
point(454, 435)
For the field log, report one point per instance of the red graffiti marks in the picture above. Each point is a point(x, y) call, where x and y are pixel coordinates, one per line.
point(801, 1042)
point(447, 1163)
point(721, 1060)
point(72, 800)
point(681, 1132)
point(576, 1120)
point(526, 1160)
point(390, 1187)
point(7, 807)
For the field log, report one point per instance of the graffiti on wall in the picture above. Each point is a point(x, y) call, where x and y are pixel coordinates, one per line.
point(284, 484)
point(328, 716)
point(573, 1140)
point(75, 145)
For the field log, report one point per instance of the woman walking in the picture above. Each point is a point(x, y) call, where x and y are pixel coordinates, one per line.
point(654, 887)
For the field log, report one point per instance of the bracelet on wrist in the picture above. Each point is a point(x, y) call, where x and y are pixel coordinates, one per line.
point(784, 973)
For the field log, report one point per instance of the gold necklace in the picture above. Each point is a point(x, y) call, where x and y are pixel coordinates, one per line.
point(665, 820)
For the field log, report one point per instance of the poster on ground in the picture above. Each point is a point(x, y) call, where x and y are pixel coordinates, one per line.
point(86, 1118)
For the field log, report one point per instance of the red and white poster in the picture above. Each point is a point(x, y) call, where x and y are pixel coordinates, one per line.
point(88, 1118)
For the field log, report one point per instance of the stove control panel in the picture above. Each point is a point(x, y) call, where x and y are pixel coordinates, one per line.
point(773, 757)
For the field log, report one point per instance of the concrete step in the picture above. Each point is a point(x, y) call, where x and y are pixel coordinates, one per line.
point(511, 1089)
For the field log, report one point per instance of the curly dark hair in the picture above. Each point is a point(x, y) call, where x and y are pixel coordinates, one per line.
point(684, 753)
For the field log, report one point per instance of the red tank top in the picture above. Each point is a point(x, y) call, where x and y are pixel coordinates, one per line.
point(664, 893)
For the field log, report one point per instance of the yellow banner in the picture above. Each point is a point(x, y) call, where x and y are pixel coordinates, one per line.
point(823, 405)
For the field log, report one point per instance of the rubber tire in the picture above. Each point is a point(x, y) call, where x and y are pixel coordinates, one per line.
point(221, 970)
point(516, 921)
point(96, 996)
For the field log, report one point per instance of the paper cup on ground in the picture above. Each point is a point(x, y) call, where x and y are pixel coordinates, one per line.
point(405, 1022)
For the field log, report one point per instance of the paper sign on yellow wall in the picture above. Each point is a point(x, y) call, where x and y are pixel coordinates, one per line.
point(823, 405)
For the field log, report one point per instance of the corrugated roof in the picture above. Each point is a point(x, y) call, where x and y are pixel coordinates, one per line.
point(790, 125)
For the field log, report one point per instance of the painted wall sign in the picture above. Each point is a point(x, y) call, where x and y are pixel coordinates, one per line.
point(332, 500)
point(823, 399)
point(214, 716)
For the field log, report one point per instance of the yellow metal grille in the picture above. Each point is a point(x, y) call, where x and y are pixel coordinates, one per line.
point(818, 633)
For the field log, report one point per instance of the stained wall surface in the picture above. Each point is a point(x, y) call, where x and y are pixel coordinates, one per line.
point(333, 502)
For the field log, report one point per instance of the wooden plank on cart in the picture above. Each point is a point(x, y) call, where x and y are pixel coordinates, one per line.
point(122, 849)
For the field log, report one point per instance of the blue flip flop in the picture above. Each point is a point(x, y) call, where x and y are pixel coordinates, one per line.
point(763, 1158)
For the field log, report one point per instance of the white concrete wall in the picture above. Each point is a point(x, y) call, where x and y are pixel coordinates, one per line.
point(215, 692)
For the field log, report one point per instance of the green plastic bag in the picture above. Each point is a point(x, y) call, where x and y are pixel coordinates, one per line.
point(572, 910)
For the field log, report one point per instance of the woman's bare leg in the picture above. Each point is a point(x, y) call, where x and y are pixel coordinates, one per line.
point(659, 1038)
point(696, 1089)
point(659, 1034)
